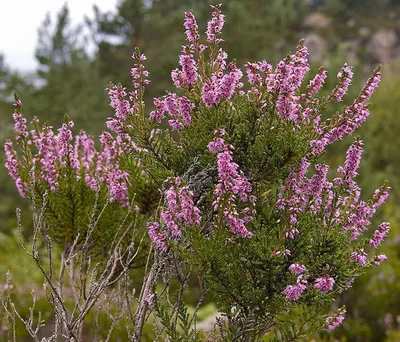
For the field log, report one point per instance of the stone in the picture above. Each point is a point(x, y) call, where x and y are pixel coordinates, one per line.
point(364, 31)
point(316, 46)
point(317, 20)
point(381, 47)
point(352, 47)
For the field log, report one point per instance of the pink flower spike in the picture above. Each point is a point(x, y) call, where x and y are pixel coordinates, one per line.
point(332, 322)
point(324, 285)
point(297, 268)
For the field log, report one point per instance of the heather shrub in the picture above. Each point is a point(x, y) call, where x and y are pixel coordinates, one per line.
point(224, 179)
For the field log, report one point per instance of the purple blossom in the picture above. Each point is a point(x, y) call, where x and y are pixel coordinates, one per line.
point(317, 82)
point(149, 299)
point(157, 237)
point(216, 89)
point(380, 196)
point(332, 322)
point(294, 292)
point(231, 187)
point(297, 268)
point(20, 125)
point(178, 107)
point(352, 163)
point(119, 102)
point(190, 24)
point(180, 208)
point(116, 181)
point(186, 77)
point(139, 73)
point(324, 285)
point(170, 221)
point(379, 235)
point(360, 257)
point(12, 167)
point(215, 25)
point(344, 76)
point(189, 69)
point(371, 85)
point(380, 258)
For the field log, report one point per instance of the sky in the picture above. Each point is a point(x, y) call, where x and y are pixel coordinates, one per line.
point(20, 19)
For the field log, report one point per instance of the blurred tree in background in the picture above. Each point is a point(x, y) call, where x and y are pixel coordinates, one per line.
point(76, 63)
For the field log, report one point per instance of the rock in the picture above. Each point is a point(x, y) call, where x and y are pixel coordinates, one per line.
point(381, 46)
point(316, 46)
point(208, 324)
point(352, 47)
point(317, 20)
point(351, 23)
point(364, 31)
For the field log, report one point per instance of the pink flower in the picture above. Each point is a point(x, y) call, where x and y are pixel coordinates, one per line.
point(317, 82)
point(178, 107)
point(371, 85)
point(297, 268)
point(190, 24)
point(379, 234)
point(332, 322)
point(157, 237)
point(231, 186)
point(149, 299)
point(380, 258)
point(215, 25)
point(324, 285)
point(20, 125)
point(360, 257)
point(294, 292)
point(352, 163)
point(119, 102)
point(344, 76)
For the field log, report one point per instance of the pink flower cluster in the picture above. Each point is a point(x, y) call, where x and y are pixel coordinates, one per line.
point(324, 285)
point(344, 76)
point(379, 258)
point(221, 86)
point(20, 125)
point(12, 167)
point(294, 292)
point(284, 82)
point(215, 25)
point(186, 77)
point(192, 29)
point(371, 85)
point(301, 193)
point(316, 195)
point(178, 108)
point(348, 121)
point(297, 268)
point(139, 73)
point(52, 153)
point(180, 207)
point(231, 187)
point(316, 83)
point(332, 322)
point(55, 154)
point(379, 234)
point(124, 103)
point(157, 236)
point(352, 163)
point(119, 103)
point(180, 210)
point(360, 257)
point(258, 73)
